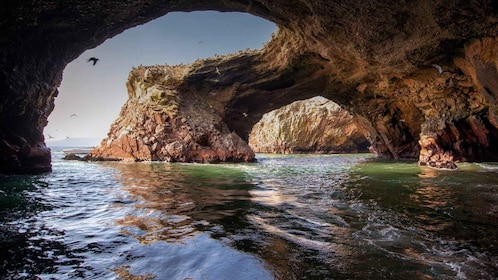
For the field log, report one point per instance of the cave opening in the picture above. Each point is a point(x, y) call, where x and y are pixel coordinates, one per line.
point(91, 95)
point(321, 47)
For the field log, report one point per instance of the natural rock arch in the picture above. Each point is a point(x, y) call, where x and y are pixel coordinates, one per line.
point(315, 125)
point(372, 57)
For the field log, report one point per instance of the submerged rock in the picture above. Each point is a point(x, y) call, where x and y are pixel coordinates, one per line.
point(160, 122)
point(72, 156)
point(316, 125)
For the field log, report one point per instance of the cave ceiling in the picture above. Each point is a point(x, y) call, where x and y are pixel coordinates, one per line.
point(368, 56)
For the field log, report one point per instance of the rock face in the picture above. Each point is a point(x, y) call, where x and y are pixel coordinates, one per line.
point(316, 125)
point(159, 123)
point(462, 124)
point(380, 60)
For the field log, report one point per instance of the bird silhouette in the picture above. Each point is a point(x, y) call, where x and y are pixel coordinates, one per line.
point(94, 59)
point(73, 115)
point(438, 68)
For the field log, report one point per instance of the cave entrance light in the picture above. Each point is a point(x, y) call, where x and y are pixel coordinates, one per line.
point(91, 95)
point(314, 125)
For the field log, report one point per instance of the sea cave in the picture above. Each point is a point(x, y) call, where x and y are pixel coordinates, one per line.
point(409, 81)
point(420, 77)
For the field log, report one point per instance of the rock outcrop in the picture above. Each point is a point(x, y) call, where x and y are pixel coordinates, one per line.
point(160, 123)
point(374, 58)
point(315, 125)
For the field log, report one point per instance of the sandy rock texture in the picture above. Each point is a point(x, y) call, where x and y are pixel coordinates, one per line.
point(420, 76)
point(161, 124)
point(315, 125)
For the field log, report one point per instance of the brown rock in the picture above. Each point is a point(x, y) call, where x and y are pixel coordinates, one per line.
point(322, 47)
point(194, 133)
point(72, 157)
point(315, 125)
point(175, 149)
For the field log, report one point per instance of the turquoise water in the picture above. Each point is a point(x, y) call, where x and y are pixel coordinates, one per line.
point(284, 217)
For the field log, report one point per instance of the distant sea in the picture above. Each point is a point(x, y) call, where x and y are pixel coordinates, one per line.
point(74, 142)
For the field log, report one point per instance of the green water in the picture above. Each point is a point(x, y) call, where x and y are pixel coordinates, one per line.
point(284, 217)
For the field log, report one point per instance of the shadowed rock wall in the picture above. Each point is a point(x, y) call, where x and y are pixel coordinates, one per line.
point(375, 58)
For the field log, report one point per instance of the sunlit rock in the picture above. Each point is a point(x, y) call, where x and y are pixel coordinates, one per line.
point(315, 125)
point(408, 71)
point(160, 122)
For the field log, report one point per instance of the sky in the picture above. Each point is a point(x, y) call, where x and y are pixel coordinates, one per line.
point(90, 97)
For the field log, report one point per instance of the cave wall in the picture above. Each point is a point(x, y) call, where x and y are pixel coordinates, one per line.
point(374, 58)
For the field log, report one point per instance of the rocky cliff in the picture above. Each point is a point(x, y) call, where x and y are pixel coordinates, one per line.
point(160, 123)
point(420, 76)
point(315, 125)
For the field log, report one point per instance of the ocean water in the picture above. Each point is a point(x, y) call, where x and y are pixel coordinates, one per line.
point(284, 217)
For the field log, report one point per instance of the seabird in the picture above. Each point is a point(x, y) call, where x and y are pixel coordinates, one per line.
point(50, 136)
point(73, 115)
point(218, 71)
point(439, 68)
point(94, 59)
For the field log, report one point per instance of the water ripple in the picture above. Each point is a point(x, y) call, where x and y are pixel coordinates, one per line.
point(285, 217)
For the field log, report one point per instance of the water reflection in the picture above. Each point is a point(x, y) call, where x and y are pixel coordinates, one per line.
point(249, 210)
point(124, 273)
point(27, 246)
point(319, 217)
point(174, 201)
point(310, 216)
point(436, 221)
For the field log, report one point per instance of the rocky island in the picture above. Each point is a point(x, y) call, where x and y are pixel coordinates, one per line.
point(420, 77)
point(160, 123)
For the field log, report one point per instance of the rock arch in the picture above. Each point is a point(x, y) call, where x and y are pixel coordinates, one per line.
point(373, 57)
point(315, 125)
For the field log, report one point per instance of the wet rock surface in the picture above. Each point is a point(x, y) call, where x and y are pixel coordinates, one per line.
point(421, 77)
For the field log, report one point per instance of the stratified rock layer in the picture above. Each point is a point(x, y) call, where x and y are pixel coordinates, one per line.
point(378, 59)
point(160, 123)
point(316, 125)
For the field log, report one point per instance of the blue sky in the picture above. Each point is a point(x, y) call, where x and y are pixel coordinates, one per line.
point(95, 94)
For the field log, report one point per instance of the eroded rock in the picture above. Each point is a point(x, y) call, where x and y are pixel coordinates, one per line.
point(461, 124)
point(374, 58)
point(315, 125)
point(161, 123)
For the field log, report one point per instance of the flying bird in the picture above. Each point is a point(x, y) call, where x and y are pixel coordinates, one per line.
point(94, 59)
point(73, 115)
point(218, 71)
point(439, 68)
